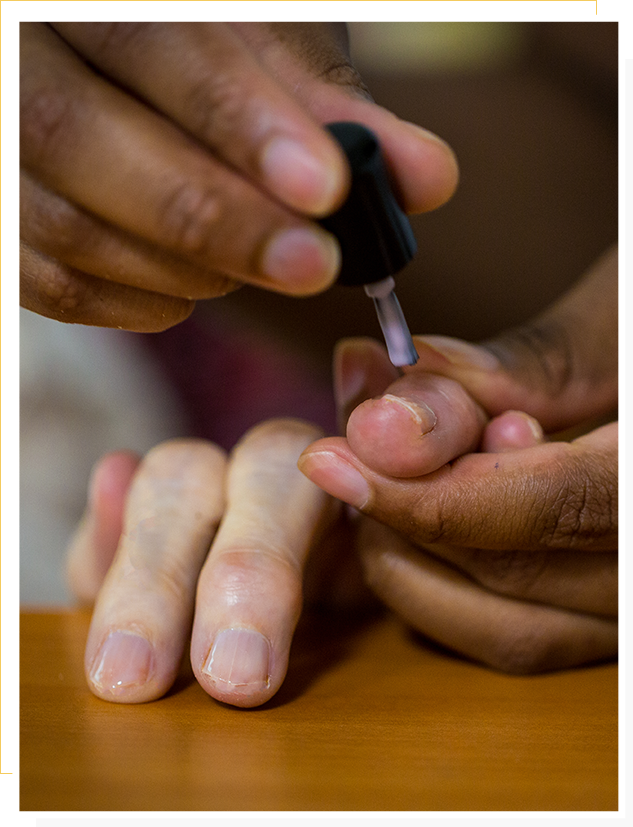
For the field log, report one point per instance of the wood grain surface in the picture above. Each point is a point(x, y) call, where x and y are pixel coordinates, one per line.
point(369, 719)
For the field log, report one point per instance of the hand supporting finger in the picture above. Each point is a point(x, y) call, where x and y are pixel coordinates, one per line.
point(513, 635)
point(556, 495)
point(250, 589)
point(561, 367)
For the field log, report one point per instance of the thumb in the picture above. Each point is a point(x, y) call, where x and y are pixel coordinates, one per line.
point(552, 495)
point(560, 368)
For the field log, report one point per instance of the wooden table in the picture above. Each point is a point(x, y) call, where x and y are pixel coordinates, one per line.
point(368, 719)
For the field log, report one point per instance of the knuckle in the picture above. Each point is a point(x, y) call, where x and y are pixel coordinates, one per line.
point(526, 648)
point(52, 290)
point(215, 105)
point(508, 572)
point(48, 115)
point(581, 511)
point(187, 217)
point(541, 352)
point(183, 454)
point(243, 575)
point(115, 37)
point(59, 228)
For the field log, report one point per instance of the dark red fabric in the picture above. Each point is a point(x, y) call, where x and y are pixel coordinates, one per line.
point(230, 379)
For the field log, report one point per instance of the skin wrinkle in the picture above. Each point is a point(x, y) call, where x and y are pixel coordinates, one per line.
point(550, 358)
point(54, 287)
point(187, 216)
point(513, 573)
point(325, 61)
point(46, 115)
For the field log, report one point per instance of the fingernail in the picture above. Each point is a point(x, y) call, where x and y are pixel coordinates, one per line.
point(350, 376)
point(302, 259)
point(240, 657)
point(423, 416)
point(301, 179)
point(336, 476)
point(462, 354)
point(124, 661)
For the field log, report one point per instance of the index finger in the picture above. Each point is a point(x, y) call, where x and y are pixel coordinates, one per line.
point(203, 76)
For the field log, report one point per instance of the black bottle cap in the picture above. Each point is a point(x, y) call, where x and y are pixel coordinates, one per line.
point(374, 233)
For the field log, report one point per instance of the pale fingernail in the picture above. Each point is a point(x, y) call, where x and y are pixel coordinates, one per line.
point(240, 657)
point(336, 476)
point(462, 354)
point(302, 259)
point(350, 377)
point(299, 178)
point(123, 662)
point(423, 416)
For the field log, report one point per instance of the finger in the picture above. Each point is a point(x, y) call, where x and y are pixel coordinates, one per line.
point(556, 495)
point(511, 430)
point(135, 169)
point(52, 289)
point(203, 76)
point(250, 589)
point(62, 231)
point(415, 423)
point(142, 617)
point(95, 542)
point(319, 75)
point(578, 580)
point(550, 367)
point(511, 635)
point(362, 370)
point(420, 422)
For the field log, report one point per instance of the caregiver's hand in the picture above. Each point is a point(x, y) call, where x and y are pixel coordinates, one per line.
point(240, 583)
point(163, 163)
point(507, 555)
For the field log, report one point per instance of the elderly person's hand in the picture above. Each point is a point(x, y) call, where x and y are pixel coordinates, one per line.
point(163, 163)
point(187, 536)
point(507, 555)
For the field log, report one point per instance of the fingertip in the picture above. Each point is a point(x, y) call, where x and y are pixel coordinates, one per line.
point(441, 170)
point(311, 177)
point(96, 539)
point(335, 472)
point(301, 261)
point(511, 431)
point(387, 434)
point(238, 669)
point(124, 669)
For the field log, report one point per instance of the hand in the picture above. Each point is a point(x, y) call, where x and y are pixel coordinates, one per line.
point(508, 554)
point(186, 535)
point(168, 162)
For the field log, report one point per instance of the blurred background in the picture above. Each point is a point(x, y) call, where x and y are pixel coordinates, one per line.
point(531, 112)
